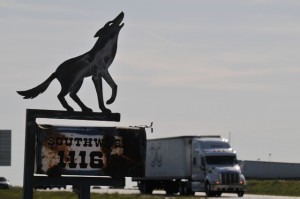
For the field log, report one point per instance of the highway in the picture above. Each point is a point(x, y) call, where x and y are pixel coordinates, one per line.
point(201, 195)
point(227, 196)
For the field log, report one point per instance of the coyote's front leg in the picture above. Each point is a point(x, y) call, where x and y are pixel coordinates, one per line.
point(98, 85)
point(106, 76)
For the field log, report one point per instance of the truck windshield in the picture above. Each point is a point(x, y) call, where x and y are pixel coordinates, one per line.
point(221, 160)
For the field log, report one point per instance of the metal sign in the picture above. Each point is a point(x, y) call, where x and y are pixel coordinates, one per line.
point(63, 155)
point(97, 151)
point(5, 147)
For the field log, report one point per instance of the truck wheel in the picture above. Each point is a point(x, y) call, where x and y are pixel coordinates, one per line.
point(184, 190)
point(208, 192)
point(240, 194)
point(191, 193)
point(218, 194)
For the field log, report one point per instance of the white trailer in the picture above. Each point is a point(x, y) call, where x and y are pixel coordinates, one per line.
point(190, 164)
point(270, 170)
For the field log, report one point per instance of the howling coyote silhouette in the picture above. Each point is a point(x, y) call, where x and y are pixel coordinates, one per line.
point(95, 63)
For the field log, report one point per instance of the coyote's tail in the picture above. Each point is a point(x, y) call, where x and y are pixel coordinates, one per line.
point(32, 93)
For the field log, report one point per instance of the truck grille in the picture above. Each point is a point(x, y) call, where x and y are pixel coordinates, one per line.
point(230, 178)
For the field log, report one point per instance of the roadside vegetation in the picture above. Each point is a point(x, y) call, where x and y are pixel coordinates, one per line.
point(274, 187)
point(261, 187)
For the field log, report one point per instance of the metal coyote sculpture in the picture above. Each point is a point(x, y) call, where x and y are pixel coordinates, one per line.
point(95, 63)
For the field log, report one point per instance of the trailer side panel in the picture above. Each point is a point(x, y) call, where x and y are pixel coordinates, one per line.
point(169, 158)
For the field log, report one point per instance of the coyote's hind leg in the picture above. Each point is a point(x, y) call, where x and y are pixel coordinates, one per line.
point(73, 95)
point(61, 97)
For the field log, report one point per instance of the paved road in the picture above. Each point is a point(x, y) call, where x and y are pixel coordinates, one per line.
point(201, 195)
point(227, 196)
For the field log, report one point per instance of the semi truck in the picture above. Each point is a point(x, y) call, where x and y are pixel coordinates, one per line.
point(189, 164)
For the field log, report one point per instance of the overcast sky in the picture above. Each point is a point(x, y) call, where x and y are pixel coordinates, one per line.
point(193, 67)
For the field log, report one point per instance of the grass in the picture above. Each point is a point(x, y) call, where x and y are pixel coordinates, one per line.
point(274, 187)
point(261, 187)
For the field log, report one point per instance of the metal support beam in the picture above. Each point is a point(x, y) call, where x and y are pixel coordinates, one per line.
point(84, 192)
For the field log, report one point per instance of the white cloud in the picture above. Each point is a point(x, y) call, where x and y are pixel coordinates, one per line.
point(194, 73)
point(174, 44)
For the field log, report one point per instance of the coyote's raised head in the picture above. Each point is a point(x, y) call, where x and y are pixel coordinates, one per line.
point(111, 27)
point(95, 63)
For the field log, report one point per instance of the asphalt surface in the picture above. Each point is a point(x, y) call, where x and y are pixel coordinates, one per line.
point(135, 191)
point(225, 195)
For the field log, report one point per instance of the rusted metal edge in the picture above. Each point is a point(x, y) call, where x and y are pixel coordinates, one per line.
point(55, 114)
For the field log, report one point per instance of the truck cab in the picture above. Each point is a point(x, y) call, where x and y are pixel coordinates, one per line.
point(215, 168)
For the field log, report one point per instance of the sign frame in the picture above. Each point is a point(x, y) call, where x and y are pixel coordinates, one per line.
point(31, 180)
point(90, 151)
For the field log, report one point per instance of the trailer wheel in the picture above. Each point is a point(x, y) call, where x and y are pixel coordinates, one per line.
point(240, 194)
point(171, 187)
point(169, 191)
point(183, 190)
point(145, 188)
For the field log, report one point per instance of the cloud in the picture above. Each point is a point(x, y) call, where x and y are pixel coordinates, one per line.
point(217, 77)
point(172, 43)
